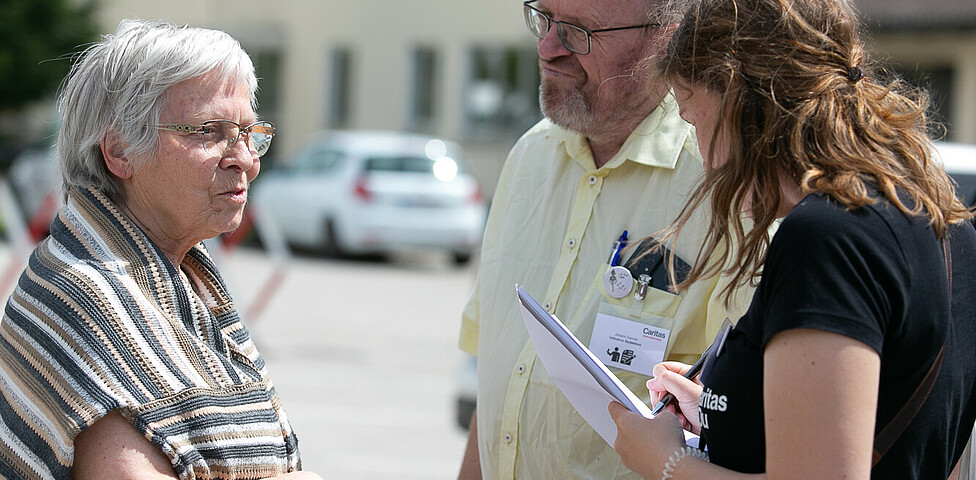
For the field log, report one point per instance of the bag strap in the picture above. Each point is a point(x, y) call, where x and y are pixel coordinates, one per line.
point(887, 436)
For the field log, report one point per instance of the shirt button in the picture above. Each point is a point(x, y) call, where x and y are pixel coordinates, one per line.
point(521, 368)
point(547, 306)
point(571, 243)
point(592, 179)
point(508, 438)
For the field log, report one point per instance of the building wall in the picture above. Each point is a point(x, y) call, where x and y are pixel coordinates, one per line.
point(295, 44)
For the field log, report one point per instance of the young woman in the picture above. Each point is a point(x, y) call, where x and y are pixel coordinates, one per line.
point(855, 358)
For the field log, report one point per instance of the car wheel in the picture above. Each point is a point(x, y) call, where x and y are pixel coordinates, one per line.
point(333, 246)
point(464, 410)
point(462, 258)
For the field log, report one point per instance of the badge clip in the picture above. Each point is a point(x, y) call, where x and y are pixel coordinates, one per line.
point(642, 282)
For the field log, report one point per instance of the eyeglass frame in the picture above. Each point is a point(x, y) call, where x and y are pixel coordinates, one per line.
point(562, 34)
point(246, 131)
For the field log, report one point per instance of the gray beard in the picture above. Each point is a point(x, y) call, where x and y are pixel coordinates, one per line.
point(567, 109)
point(570, 109)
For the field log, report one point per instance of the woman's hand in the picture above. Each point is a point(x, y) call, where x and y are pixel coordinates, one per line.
point(644, 444)
point(669, 377)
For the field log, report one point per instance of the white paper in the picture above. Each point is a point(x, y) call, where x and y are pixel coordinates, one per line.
point(587, 383)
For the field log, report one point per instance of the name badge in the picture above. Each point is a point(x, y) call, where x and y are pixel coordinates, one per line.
point(627, 344)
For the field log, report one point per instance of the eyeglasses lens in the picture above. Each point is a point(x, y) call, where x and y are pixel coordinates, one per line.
point(218, 136)
point(223, 135)
point(537, 22)
point(259, 136)
point(574, 38)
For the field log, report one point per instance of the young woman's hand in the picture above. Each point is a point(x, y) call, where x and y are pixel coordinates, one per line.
point(669, 377)
point(644, 444)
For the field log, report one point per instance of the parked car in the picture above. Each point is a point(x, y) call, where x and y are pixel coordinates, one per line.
point(358, 192)
point(466, 397)
point(36, 186)
point(959, 160)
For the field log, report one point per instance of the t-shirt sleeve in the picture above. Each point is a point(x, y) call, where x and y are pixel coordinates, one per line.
point(834, 270)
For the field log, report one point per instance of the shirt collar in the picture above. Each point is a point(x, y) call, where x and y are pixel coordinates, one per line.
point(670, 135)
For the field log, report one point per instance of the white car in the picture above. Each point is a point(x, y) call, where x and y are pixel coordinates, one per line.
point(358, 192)
point(959, 160)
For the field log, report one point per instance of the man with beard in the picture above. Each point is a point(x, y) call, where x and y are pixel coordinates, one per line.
point(611, 161)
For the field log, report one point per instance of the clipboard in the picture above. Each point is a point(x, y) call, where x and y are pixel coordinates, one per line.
point(587, 383)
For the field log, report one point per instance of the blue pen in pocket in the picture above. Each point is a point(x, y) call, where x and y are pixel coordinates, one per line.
point(618, 246)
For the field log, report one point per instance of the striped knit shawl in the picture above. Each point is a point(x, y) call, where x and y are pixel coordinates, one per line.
point(102, 321)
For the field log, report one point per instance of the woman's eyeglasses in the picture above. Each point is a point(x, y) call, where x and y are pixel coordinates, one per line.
point(219, 136)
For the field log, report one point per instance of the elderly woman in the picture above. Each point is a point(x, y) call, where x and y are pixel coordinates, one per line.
point(121, 352)
point(855, 359)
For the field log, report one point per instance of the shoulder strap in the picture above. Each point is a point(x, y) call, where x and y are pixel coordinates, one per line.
point(887, 436)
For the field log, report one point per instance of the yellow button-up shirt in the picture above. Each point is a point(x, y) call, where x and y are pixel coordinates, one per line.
point(553, 220)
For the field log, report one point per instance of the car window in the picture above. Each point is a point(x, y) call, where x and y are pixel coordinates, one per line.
point(960, 163)
point(319, 160)
point(401, 163)
point(966, 187)
point(398, 164)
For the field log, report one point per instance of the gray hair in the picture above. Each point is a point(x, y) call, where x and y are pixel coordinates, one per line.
point(119, 85)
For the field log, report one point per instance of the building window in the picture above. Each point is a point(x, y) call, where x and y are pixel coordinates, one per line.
point(502, 95)
point(267, 67)
point(937, 81)
point(423, 101)
point(338, 110)
point(268, 64)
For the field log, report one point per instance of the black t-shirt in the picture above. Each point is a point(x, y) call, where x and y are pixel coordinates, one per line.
point(875, 275)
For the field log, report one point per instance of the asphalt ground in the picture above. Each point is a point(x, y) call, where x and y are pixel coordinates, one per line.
point(363, 354)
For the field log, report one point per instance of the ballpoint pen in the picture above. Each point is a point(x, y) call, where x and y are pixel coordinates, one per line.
point(617, 247)
point(669, 397)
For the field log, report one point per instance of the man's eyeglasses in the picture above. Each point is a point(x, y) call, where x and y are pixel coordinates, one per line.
point(219, 136)
point(575, 38)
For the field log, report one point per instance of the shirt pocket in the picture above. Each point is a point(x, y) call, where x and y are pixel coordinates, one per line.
point(657, 304)
point(657, 309)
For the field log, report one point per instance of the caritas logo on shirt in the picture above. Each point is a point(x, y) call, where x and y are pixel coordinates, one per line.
point(710, 402)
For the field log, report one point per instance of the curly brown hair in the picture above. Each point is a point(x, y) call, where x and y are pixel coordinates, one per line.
point(800, 100)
